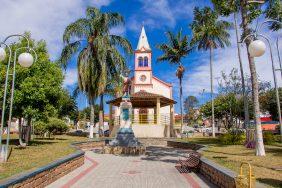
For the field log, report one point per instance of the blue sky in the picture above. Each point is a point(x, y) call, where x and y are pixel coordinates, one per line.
point(47, 20)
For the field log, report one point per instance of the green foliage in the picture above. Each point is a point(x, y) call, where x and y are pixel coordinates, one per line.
point(227, 7)
point(176, 49)
point(40, 128)
point(233, 137)
point(192, 114)
point(38, 89)
point(229, 104)
point(84, 114)
point(190, 103)
point(68, 106)
point(268, 102)
point(56, 126)
point(268, 138)
point(226, 107)
point(208, 31)
point(99, 60)
point(274, 11)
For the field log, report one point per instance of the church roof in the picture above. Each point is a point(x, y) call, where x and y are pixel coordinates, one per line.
point(143, 41)
point(143, 99)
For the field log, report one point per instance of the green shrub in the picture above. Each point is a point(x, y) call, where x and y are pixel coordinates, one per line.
point(233, 137)
point(40, 128)
point(56, 126)
point(268, 137)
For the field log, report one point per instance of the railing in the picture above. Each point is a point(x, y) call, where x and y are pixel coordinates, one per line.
point(145, 119)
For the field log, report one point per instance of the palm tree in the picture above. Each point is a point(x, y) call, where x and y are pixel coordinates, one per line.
point(99, 58)
point(249, 11)
point(208, 34)
point(226, 9)
point(174, 51)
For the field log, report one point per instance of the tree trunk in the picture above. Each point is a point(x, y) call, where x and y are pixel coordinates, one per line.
point(101, 112)
point(259, 138)
point(212, 100)
point(245, 96)
point(92, 118)
point(181, 106)
point(26, 132)
point(22, 144)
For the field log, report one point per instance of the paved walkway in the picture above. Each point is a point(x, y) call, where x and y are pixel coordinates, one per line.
point(155, 170)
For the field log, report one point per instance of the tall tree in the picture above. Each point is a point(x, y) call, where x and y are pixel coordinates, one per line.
point(249, 11)
point(190, 103)
point(38, 89)
point(174, 51)
point(225, 8)
point(268, 102)
point(274, 11)
point(208, 34)
point(99, 58)
point(68, 107)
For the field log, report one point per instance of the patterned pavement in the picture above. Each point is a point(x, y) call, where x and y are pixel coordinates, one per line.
point(157, 169)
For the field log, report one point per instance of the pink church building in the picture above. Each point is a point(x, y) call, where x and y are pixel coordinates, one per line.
point(153, 105)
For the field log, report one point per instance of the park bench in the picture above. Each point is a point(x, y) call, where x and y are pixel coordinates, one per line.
point(191, 162)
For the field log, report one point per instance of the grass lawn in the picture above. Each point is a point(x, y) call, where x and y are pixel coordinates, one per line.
point(40, 152)
point(231, 157)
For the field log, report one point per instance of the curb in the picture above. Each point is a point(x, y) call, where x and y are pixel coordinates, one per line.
point(21, 177)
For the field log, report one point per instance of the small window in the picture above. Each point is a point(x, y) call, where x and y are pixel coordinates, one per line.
point(145, 61)
point(140, 62)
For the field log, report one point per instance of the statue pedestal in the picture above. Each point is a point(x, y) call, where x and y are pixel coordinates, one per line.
point(125, 142)
point(125, 138)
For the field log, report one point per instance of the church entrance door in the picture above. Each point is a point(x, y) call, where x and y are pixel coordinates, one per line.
point(143, 116)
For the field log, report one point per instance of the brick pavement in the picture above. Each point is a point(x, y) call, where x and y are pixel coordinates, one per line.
point(155, 170)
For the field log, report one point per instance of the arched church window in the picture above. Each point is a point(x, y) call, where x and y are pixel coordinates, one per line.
point(140, 61)
point(145, 61)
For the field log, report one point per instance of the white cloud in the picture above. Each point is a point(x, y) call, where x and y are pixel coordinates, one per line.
point(44, 19)
point(159, 9)
point(162, 13)
point(70, 77)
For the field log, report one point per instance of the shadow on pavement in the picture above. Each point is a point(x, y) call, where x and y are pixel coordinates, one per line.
point(164, 154)
point(271, 182)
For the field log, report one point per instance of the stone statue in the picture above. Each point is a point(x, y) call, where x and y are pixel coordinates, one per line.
point(125, 135)
point(126, 83)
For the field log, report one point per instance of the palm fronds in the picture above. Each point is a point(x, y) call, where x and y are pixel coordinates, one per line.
point(99, 60)
point(208, 32)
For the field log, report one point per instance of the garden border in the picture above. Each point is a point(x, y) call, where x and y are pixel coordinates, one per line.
point(45, 175)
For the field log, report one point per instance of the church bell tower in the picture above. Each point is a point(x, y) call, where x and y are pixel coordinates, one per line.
point(143, 61)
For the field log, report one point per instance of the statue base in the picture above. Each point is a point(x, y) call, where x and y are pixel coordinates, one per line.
point(125, 143)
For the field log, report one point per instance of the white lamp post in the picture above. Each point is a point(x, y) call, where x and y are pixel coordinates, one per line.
point(25, 60)
point(257, 48)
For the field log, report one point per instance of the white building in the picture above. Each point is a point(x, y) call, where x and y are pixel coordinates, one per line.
point(151, 97)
